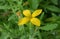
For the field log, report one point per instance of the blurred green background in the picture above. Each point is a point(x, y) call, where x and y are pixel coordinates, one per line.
point(50, 18)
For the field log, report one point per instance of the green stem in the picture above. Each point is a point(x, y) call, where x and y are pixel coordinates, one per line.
point(39, 35)
point(30, 31)
point(30, 28)
point(37, 32)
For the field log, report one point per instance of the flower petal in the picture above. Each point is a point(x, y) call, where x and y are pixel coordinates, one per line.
point(23, 21)
point(36, 13)
point(27, 13)
point(35, 21)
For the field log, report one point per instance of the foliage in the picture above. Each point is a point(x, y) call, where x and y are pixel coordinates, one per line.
point(50, 19)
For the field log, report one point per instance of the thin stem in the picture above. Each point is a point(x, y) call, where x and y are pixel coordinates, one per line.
point(30, 31)
point(39, 35)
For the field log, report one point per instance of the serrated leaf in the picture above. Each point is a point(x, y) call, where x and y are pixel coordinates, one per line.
point(53, 8)
point(49, 27)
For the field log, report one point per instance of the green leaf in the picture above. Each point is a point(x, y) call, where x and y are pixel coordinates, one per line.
point(53, 8)
point(42, 15)
point(4, 7)
point(11, 17)
point(49, 27)
point(55, 2)
point(33, 4)
point(54, 18)
point(6, 26)
point(54, 15)
point(4, 35)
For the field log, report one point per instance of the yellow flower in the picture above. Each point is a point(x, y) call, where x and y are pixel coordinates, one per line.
point(30, 17)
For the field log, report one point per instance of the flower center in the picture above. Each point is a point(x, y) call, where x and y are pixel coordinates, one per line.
point(30, 17)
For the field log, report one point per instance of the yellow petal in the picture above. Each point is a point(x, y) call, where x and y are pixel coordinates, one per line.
point(23, 21)
point(27, 13)
point(36, 13)
point(35, 21)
